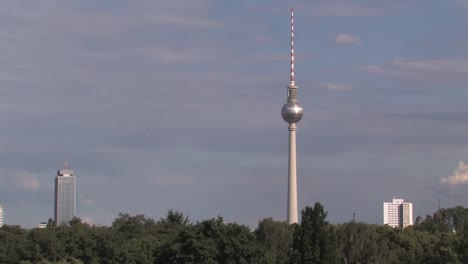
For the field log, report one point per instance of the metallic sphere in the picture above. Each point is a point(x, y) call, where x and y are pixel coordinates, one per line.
point(291, 112)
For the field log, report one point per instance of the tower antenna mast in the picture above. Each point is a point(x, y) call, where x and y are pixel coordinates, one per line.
point(292, 47)
point(292, 114)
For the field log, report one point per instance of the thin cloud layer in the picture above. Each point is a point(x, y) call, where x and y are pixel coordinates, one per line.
point(26, 181)
point(87, 201)
point(442, 69)
point(459, 176)
point(347, 39)
point(334, 87)
point(342, 9)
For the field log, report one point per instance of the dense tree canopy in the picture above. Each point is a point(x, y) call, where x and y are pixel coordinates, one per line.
point(314, 239)
point(438, 238)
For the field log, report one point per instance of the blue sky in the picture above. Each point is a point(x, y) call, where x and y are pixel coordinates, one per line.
point(162, 105)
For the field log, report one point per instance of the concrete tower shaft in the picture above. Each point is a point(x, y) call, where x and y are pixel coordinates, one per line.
point(292, 113)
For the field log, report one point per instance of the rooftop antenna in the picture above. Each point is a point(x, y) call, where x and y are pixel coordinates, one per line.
point(65, 165)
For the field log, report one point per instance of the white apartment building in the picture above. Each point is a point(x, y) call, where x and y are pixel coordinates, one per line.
point(398, 213)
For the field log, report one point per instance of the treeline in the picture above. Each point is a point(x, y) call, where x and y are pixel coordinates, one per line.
point(440, 238)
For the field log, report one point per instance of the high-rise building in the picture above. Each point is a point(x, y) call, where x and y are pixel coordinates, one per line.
point(1, 215)
point(398, 213)
point(292, 114)
point(65, 196)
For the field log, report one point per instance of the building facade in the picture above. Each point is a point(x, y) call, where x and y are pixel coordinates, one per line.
point(1, 215)
point(65, 197)
point(398, 213)
point(42, 225)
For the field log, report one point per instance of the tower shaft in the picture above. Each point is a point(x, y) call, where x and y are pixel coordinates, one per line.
point(292, 113)
point(292, 176)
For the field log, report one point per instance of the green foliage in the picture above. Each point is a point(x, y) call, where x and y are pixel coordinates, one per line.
point(213, 241)
point(462, 247)
point(173, 239)
point(132, 225)
point(276, 237)
point(13, 244)
point(174, 219)
point(455, 218)
point(433, 225)
point(314, 240)
point(362, 243)
point(446, 220)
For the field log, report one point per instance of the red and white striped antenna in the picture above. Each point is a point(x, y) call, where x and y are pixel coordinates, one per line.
point(292, 47)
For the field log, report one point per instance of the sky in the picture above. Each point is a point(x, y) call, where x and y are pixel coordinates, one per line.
point(160, 105)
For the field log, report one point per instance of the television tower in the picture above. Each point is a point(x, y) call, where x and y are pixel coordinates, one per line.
point(292, 113)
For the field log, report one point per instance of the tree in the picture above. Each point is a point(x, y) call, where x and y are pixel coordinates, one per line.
point(137, 251)
point(433, 224)
point(444, 250)
point(455, 218)
point(190, 246)
point(108, 244)
point(463, 245)
point(76, 221)
point(314, 241)
point(361, 243)
point(14, 245)
point(213, 241)
point(50, 222)
point(418, 221)
point(46, 244)
point(276, 238)
point(174, 219)
point(132, 225)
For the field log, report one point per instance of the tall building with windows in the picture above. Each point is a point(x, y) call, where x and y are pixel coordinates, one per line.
point(398, 213)
point(65, 196)
point(1, 215)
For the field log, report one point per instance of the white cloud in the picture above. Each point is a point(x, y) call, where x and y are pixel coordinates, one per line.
point(347, 39)
point(335, 87)
point(459, 176)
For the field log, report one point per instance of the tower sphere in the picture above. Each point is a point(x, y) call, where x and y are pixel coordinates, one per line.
point(292, 112)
